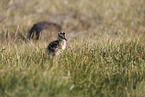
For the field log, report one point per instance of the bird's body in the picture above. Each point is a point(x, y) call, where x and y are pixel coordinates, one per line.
point(55, 47)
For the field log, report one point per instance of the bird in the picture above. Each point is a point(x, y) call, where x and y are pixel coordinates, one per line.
point(55, 47)
point(40, 26)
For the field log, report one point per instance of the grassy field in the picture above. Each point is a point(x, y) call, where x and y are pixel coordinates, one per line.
point(105, 54)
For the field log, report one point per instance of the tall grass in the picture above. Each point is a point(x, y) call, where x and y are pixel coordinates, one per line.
point(105, 54)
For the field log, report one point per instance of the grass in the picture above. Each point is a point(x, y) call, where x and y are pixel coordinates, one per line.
point(105, 54)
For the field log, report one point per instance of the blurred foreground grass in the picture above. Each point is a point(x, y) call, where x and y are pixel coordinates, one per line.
point(105, 54)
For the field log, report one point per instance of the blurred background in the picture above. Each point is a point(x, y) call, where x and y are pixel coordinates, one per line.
point(85, 18)
point(104, 57)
